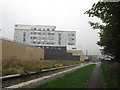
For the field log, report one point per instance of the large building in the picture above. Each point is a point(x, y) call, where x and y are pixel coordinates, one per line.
point(57, 44)
point(43, 36)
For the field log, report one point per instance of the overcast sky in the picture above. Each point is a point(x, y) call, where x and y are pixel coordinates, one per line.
point(67, 15)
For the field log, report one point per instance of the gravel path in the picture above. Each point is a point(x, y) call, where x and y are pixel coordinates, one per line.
point(95, 79)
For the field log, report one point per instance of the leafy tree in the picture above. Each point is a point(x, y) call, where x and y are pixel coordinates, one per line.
point(109, 13)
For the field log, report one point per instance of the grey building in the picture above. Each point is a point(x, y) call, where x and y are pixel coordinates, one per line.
point(41, 35)
point(55, 42)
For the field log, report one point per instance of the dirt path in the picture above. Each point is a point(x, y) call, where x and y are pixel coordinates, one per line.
point(95, 79)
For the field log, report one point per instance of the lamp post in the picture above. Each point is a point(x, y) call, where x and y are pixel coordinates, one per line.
point(86, 52)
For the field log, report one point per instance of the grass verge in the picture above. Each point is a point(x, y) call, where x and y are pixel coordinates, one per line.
point(75, 79)
point(16, 66)
point(111, 74)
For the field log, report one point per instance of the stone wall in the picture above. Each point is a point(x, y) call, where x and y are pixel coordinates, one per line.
point(78, 53)
point(12, 50)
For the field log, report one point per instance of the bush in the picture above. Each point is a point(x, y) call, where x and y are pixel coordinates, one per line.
point(15, 66)
point(58, 65)
point(110, 72)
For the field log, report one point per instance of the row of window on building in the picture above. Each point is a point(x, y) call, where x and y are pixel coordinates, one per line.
point(43, 29)
point(49, 43)
point(42, 38)
point(39, 33)
point(46, 38)
point(71, 34)
point(50, 47)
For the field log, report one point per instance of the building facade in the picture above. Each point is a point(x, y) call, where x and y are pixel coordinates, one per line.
point(43, 36)
point(58, 45)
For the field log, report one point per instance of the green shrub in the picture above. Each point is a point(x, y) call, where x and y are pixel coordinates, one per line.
point(110, 73)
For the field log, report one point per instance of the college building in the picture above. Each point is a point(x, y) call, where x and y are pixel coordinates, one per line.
point(44, 36)
point(56, 43)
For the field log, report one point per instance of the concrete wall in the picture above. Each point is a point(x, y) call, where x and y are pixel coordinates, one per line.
point(52, 54)
point(78, 53)
point(12, 50)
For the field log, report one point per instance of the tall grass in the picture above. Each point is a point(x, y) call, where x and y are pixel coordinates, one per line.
point(15, 66)
point(111, 74)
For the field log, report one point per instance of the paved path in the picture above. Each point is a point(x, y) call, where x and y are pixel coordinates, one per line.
point(95, 79)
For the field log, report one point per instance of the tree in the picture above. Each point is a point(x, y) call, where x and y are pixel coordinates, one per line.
point(109, 13)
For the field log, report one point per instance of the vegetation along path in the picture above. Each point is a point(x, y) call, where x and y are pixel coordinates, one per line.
point(95, 79)
point(75, 79)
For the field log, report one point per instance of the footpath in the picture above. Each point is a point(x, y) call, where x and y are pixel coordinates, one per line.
point(95, 78)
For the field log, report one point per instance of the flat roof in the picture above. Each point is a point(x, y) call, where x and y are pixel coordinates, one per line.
point(45, 30)
point(35, 25)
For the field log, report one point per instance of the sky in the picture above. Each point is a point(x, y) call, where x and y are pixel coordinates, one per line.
point(66, 15)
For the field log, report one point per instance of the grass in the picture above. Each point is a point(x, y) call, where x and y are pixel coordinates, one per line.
point(75, 79)
point(111, 74)
point(16, 66)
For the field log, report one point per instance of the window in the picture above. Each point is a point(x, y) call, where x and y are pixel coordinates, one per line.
point(31, 37)
point(35, 28)
point(34, 32)
point(48, 29)
point(33, 42)
point(38, 42)
point(15, 25)
point(51, 43)
point(73, 39)
point(68, 34)
point(70, 43)
point(49, 33)
point(31, 28)
point(24, 34)
point(74, 48)
point(39, 33)
point(72, 34)
point(59, 38)
point(24, 39)
point(34, 37)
